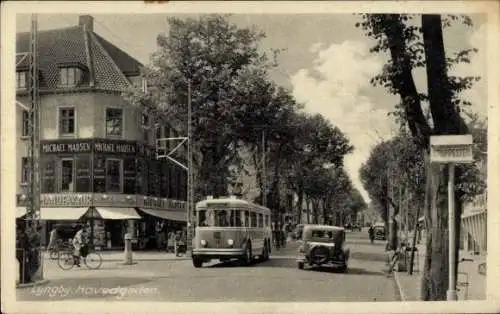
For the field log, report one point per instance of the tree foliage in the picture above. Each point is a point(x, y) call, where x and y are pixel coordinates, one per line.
point(412, 46)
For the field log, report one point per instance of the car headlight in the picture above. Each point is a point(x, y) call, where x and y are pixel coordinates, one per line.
point(230, 241)
point(203, 242)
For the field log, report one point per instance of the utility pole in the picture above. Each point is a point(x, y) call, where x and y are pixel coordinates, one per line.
point(264, 170)
point(190, 189)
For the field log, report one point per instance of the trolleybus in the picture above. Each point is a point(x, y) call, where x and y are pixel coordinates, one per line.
point(231, 228)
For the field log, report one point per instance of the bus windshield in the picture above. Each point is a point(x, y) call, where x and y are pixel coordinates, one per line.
point(216, 217)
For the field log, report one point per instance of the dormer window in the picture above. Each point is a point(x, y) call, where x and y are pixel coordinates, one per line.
point(69, 76)
point(21, 79)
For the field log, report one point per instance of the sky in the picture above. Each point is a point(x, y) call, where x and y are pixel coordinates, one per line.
point(326, 64)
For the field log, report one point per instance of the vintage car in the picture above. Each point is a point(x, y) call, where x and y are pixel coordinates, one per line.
point(379, 232)
point(323, 245)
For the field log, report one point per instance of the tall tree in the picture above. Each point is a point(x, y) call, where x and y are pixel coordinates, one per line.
point(411, 46)
point(229, 86)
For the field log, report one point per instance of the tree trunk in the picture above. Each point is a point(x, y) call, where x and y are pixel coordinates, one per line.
point(300, 201)
point(435, 276)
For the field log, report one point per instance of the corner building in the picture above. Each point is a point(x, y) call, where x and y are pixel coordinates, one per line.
point(98, 162)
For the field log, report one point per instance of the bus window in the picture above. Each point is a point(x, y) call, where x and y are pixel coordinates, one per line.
point(236, 218)
point(202, 218)
point(246, 218)
point(261, 221)
point(253, 220)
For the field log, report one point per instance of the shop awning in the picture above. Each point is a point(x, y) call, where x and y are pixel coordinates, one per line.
point(117, 213)
point(62, 213)
point(20, 212)
point(166, 214)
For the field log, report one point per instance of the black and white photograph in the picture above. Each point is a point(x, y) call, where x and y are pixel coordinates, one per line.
point(326, 154)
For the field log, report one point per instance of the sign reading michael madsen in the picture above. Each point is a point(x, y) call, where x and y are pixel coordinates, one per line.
point(94, 145)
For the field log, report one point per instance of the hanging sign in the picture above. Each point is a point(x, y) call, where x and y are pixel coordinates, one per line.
point(451, 149)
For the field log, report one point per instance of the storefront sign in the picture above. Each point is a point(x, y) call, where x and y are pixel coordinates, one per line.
point(63, 199)
point(114, 200)
point(115, 148)
point(161, 203)
point(94, 145)
point(66, 147)
point(451, 149)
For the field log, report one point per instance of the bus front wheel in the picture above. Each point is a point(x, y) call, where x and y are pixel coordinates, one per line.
point(248, 257)
point(197, 262)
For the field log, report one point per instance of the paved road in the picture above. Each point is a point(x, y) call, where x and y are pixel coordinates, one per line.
point(177, 280)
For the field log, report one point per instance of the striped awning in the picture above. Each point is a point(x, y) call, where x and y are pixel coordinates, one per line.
point(475, 223)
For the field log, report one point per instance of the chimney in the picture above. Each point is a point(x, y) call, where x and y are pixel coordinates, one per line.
point(87, 21)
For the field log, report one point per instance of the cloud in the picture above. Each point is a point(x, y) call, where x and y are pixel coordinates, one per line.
point(477, 94)
point(334, 88)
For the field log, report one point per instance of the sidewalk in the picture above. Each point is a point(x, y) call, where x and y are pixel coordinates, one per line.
point(409, 285)
point(118, 256)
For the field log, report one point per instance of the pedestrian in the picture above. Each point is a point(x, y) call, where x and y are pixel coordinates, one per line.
point(171, 242)
point(22, 244)
point(78, 242)
point(371, 233)
point(53, 239)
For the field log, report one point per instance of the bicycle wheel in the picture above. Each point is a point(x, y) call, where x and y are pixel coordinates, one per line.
point(65, 260)
point(93, 260)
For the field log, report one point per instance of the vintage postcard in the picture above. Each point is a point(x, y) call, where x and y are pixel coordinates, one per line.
point(250, 157)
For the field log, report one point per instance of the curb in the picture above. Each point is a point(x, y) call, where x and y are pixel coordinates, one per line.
point(32, 284)
point(402, 294)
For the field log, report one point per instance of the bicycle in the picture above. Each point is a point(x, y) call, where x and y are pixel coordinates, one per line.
point(464, 285)
point(60, 246)
point(92, 260)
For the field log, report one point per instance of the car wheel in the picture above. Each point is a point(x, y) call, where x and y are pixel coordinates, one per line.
point(197, 262)
point(343, 268)
point(300, 265)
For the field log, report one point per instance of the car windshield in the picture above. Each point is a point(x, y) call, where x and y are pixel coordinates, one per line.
point(320, 235)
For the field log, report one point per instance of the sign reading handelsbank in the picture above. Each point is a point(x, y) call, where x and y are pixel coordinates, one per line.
point(451, 149)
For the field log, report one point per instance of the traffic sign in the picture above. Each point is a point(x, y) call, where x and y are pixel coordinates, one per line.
point(451, 149)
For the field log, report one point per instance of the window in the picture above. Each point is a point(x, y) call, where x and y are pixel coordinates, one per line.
point(113, 175)
point(114, 121)
point(67, 175)
point(25, 123)
point(66, 121)
point(70, 77)
point(21, 80)
point(261, 221)
point(25, 168)
point(253, 220)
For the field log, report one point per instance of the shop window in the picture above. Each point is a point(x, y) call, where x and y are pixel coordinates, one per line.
point(99, 174)
point(25, 131)
point(114, 121)
point(69, 77)
point(129, 174)
point(48, 175)
point(83, 174)
point(113, 175)
point(67, 177)
point(25, 168)
point(66, 121)
point(21, 80)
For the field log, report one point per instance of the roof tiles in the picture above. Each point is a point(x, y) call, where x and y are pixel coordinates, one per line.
point(106, 64)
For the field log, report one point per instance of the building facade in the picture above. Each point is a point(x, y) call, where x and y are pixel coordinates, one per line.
point(97, 154)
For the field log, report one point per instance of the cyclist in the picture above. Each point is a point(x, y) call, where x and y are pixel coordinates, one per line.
point(78, 244)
